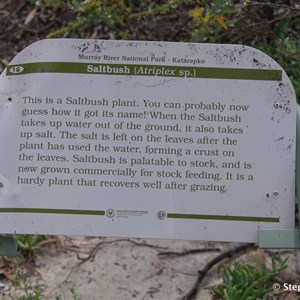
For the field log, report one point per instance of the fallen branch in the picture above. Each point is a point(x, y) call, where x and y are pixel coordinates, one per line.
point(202, 273)
point(187, 252)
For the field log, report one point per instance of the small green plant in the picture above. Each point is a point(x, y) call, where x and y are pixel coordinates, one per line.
point(34, 294)
point(28, 243)
point(247, 282)
point(74, 294)
point(30, 291)
point(211, 21)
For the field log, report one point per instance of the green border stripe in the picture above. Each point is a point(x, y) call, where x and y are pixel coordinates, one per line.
point(145, 70)
point(223, 218)
point(53, 211)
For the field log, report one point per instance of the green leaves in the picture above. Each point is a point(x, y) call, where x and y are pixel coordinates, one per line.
point(27, 242)
point(247, 282)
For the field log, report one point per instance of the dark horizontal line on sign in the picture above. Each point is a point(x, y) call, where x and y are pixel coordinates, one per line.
point(52, 211)
point(223, 218)
point(144, 70)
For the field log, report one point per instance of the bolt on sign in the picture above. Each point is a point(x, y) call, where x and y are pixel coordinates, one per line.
point(146, 139)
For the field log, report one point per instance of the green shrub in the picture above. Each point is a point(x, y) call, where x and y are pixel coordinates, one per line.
point(247, 282)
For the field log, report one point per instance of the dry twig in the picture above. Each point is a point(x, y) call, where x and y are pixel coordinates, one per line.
point(202, 273)
point(187, 252)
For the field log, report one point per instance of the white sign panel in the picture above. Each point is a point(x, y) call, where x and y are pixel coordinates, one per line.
point(146, 139)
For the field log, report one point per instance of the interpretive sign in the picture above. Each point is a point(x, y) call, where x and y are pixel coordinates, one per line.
point(146, 139)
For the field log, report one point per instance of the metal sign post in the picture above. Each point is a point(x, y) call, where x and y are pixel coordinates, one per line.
point(8, 246)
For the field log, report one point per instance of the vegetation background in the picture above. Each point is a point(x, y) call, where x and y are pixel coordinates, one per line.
point(273, 26)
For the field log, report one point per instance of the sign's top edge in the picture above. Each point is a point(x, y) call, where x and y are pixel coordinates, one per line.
point(223, 54)
point(206, 56)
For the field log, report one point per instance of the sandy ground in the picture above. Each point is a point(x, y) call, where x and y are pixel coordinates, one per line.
point(123, 269)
